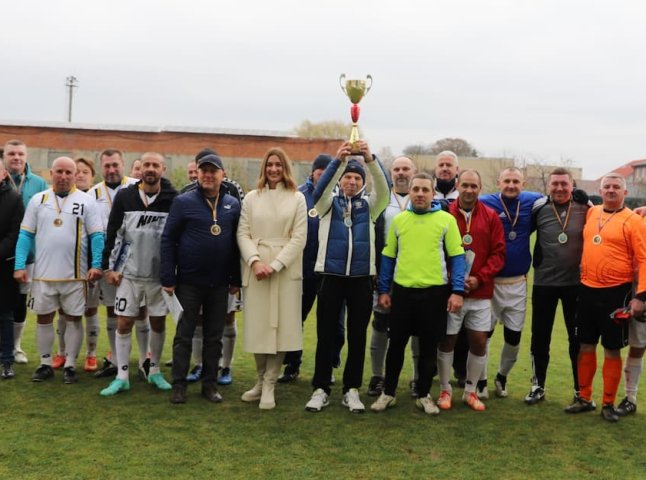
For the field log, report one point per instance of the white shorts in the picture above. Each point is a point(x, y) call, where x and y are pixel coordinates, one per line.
point(24, 288)
point(47, 297)
point(509, 303)
point(107, 293)
point(131, 294)
point(637, 334)
point(475, 314)
point(235, 303)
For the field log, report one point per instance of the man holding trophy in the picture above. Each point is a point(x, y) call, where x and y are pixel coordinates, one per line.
point(346, 256)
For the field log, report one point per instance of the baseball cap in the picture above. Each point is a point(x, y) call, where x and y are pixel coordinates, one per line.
point(211, 159)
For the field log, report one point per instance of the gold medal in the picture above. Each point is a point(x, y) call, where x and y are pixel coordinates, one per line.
point(215, 228)
point(596, 239)
point(467, 239)
point(313, 213)
point(59, 208)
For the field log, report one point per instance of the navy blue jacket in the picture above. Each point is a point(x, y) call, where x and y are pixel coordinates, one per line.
point(190, 254)
point(312, 246)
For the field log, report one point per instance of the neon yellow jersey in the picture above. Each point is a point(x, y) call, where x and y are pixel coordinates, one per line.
point(419, 243)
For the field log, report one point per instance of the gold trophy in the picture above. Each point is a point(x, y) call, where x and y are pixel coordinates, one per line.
point(355, 90)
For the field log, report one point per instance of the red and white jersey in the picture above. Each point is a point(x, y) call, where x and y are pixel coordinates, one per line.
point(61, 226)
point(104, 197)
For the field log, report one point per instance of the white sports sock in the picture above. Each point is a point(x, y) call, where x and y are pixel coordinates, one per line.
point(17, 335)
point(378, 349)
point(444, 364)
point(414, 350)
point(73, 341)
point(156, 349)
point(198, 343)
point(632, 372)
point(483, 375)
point(142, 332)
point(61, 323)
point(45, 341)
point(92, 330)
point(111, 329)
point(508, 358)
point(122, 354)
point(475, 364)
point(229, 343)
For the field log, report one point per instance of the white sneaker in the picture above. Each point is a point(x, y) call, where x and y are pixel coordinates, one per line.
point(426, 403)
point(318, 401)
point(483, 394)
point(501, 386)
point(383, 402)
point(20, 357)
point(352, 401)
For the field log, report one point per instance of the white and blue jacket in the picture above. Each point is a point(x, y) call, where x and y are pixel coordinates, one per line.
point(348, 251)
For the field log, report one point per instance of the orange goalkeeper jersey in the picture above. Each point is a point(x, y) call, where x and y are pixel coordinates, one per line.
point(610, 244)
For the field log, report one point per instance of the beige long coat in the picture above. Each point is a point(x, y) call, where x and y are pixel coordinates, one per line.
point(273, 229)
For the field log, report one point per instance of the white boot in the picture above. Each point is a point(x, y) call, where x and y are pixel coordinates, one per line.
point(255, 393)
point(274, 362)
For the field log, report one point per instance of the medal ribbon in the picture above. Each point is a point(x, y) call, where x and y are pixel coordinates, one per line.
point(468, 216)
point(22, 180)
point(601, 225)
point(213, 207)
point(401, 207)
point(59, 208)
point(143, 195)
point(107, 191)
point(504, 207)
point(558, 217)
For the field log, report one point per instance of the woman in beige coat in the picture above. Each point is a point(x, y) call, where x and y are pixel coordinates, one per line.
point(271, 236)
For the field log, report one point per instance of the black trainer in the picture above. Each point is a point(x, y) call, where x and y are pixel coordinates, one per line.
point(144, 370)
point(108, 369)
point(413, 389)
point(289, 374)
point(609, 414)
point(580, 405)
point(42, 373)
point(69, 375)
point(7, 371)
point(626, 407)
point(376, 386)
point(535, 395)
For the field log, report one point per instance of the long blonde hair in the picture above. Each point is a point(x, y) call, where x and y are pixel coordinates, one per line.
point(288, 176)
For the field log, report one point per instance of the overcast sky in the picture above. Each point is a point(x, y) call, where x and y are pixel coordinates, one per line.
point(547, 80)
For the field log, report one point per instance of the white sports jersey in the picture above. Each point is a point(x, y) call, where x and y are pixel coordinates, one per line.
point(61, 226)
point(397, 204)
point(104, 197)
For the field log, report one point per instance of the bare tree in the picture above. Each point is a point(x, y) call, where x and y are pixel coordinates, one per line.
point(327, 129)
point(459, 146)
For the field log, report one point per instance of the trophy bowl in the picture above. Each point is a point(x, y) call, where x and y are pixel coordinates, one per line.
point(355, 89)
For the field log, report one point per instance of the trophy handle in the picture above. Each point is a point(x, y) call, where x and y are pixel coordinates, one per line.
point(368, 77)
point(342, 79)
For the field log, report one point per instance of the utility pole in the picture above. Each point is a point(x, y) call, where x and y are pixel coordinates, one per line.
point(71, 83)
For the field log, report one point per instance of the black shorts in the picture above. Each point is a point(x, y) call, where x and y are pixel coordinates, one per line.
point(593, 316)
